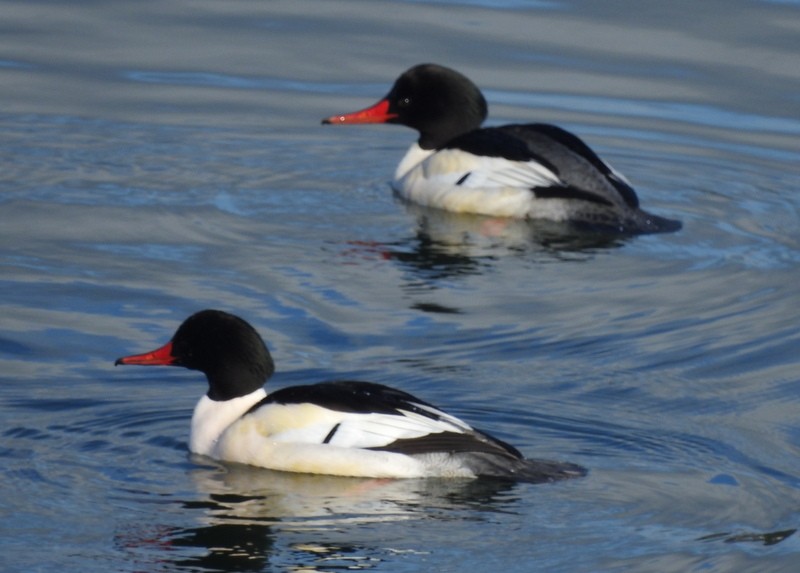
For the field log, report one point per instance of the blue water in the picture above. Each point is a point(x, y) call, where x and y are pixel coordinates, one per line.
point(163, 157)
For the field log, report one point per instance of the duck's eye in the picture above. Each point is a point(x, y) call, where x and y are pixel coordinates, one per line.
point(404, 102)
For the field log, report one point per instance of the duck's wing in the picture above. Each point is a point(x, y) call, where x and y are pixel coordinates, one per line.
point(364, 415)
point(549, 161)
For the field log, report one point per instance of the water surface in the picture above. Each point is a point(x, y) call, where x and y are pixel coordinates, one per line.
point(160, 158)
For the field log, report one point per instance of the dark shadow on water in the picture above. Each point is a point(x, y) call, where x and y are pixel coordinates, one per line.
point(435, 308)
point(225, 547)
point(217, 547)
point(766, 539)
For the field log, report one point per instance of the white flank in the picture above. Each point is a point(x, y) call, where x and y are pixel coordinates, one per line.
point(488, 185)
point(312, 439)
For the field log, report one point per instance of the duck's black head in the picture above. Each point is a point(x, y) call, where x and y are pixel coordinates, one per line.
point(222, 346)
point(440, 103)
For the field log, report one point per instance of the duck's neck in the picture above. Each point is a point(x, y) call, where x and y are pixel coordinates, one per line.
point(412, 158)
point(212, 417)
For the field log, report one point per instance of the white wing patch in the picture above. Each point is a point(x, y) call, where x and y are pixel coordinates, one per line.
point(312, 424)
point(511, 174)
point(378, 430)
point(456, 167)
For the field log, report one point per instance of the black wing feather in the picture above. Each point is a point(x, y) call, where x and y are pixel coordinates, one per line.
point(369, 397)
point(567, 192)
point(351, 396)
point(498, 142)
point(577, 146)
point(550, 146)
point(452, 442)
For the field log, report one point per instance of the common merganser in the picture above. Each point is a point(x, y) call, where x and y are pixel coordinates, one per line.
point(343, 428)
point(528, 171)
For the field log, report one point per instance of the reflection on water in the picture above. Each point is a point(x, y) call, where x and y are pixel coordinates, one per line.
point(247, 514)
point(304, 501)
point(449, 245)
point(476, 236)
point(222, 547)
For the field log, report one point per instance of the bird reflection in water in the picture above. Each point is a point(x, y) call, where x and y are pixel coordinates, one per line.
point(253, 519)
point(446, 245)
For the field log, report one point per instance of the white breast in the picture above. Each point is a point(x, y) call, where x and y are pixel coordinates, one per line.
point(212, 418)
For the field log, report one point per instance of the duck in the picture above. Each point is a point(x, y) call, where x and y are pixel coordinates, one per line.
point(335, 428)
point(524, 171)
